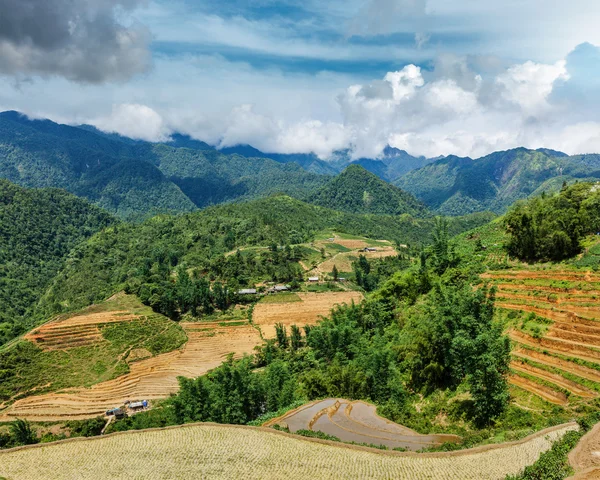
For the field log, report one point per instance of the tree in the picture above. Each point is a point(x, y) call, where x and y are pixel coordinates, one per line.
point(22, 432)
point(295, 337)
point(335, 273)
point(281, 335)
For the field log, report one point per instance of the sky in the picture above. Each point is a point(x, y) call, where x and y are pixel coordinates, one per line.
point(432, 77)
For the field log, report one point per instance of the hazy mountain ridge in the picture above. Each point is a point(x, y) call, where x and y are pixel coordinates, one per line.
point(455, 186)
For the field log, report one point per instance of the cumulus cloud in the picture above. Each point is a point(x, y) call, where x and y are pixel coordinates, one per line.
point(81, 40)
point(456, 111)
point(134, 121)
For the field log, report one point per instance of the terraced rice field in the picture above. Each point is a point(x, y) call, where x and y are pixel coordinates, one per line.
point(307, 312)
point(230, 452)
point(560, 362)
point(151, 378)
point(77, 331)
point(356, 422)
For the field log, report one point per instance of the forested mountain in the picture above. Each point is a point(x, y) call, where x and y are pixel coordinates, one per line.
point(113, 174)
point(136, 179)
point(308, 161)
point(358, 191)
point(38, 228)
point(456, 186)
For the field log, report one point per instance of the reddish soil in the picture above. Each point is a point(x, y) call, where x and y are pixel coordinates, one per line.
point(585, 457)
point(552, 396)
point(573, 387)
point(555, 345)
point(550, 275)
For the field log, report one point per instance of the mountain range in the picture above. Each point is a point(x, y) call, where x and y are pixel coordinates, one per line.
point(136, 179)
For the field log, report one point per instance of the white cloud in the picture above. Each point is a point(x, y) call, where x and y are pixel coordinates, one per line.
point(529, 84)
point(134, 121)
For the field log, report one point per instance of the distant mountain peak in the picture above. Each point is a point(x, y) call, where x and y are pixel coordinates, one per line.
point(357, 190)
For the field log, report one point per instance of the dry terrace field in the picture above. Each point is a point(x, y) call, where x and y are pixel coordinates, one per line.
point(307, 312)
point(229, 452)
point(152, 378)
point(556, 342)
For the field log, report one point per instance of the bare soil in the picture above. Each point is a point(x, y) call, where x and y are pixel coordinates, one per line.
point(308, 312)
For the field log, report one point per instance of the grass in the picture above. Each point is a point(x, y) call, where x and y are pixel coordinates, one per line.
point(281, 298)
point(26, 369)
point(322, 287)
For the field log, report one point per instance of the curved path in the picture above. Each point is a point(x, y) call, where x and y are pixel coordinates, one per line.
point(585, 457)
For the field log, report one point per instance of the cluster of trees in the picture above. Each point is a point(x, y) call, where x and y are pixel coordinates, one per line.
point(550, 227)
point(21, 432)
point(194, 295)
point(370, 274)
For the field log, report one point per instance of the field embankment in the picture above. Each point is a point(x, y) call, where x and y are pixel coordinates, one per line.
point(229, 452)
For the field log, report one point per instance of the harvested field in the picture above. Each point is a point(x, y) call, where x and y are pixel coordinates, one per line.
point(76, 331)
point(151, 378)
point(337, 417)
point(230, 452)
point(308, 312)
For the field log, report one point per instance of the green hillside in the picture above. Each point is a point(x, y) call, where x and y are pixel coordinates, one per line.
point(356, 190)
point(38, 228)
point(131, 256)
point(135, 179)
point(455, 186)
point(209, 177)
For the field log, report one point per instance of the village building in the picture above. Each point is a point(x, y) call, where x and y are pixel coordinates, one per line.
point(247, 291)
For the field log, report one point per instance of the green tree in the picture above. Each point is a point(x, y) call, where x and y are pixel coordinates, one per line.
point(295, 338)
point(22, 433)
point(335, 273)
point(281, 335)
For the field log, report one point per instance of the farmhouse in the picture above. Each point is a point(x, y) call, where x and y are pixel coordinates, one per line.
point(247, 291)
point(313, 279)
point(279, 288)
point(369, 249)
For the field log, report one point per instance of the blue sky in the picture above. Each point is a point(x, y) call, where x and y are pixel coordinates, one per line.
point(433, 77)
